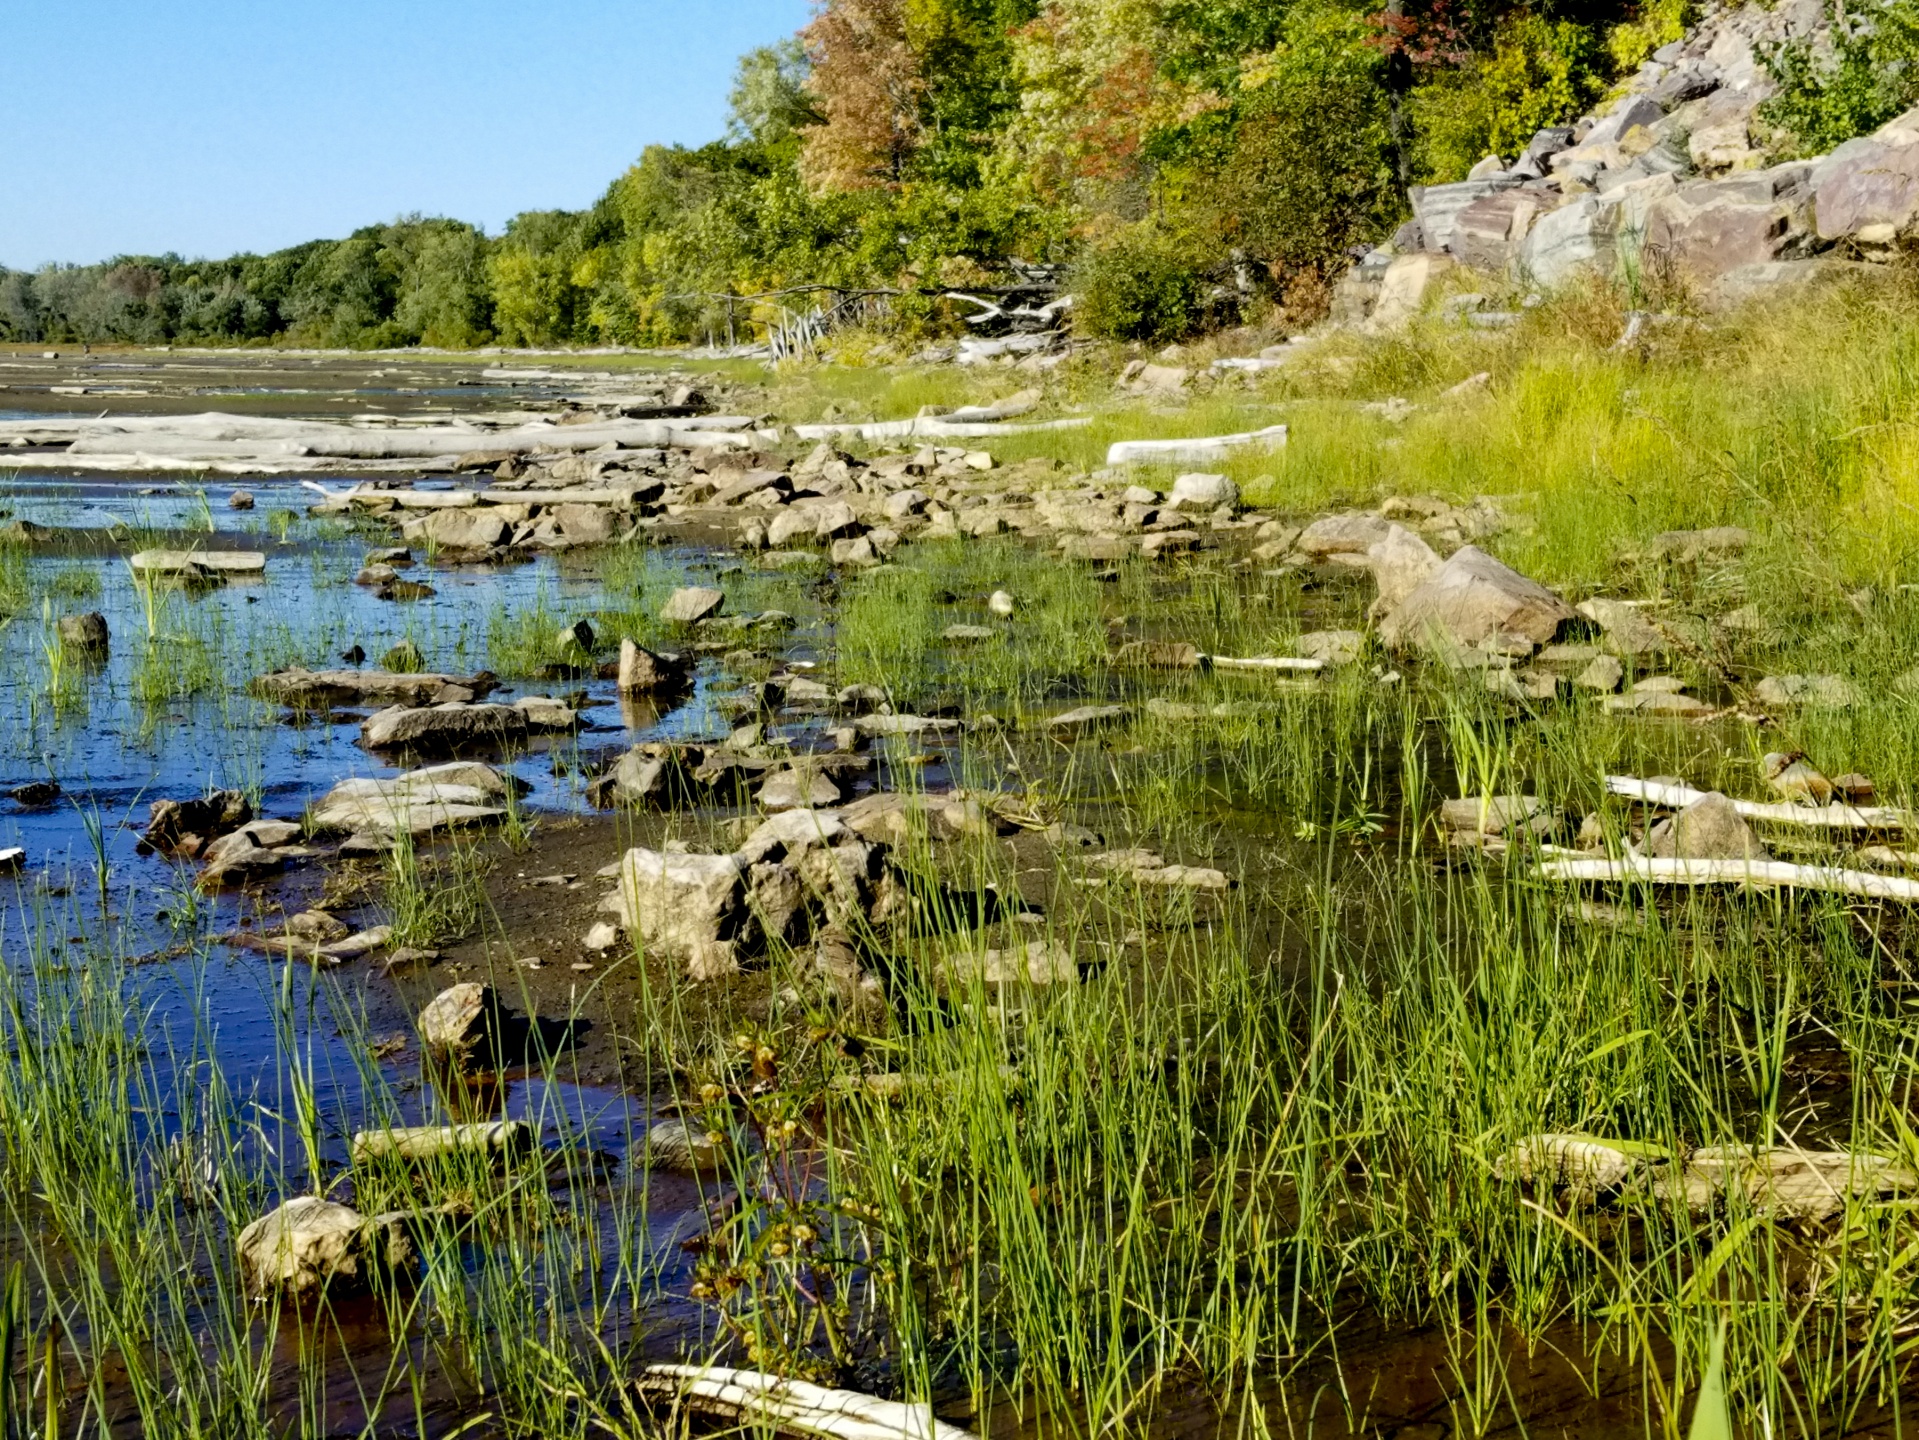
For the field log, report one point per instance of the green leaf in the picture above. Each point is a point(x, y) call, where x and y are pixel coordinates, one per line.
point(1712, 1416)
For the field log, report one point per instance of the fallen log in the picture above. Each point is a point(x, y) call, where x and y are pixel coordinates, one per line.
point(935, 427)
point(793, 1406)
point(1195, 450)
point(1780, 873)
point(1816, 817)
point(1265, 662)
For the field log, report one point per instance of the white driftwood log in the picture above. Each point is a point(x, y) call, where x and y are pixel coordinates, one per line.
point(795, 1405)
point(1665, 871)
point(1265, 662)
point(1196, 450)
point(936, 427)
point(1815, 817)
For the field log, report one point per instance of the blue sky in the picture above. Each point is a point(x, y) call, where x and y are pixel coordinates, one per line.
point(141, 126)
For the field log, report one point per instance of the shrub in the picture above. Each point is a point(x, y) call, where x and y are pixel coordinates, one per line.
point(1871, 75)
point(1541, 72)
point(1139, 286)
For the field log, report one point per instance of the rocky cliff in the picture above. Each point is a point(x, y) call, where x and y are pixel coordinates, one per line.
point(1672, 180)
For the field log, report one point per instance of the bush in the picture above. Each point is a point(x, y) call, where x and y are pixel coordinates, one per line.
point(1138, 287)
point(1541, 72)
point(1311, 169)
point(1871, 75)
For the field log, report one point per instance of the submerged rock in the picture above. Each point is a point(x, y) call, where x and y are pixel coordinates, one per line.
point(86, 632)
point(309, 1245)
point(453, 724)
point(303, 689)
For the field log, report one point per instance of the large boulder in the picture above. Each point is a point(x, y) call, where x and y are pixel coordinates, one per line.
point(1703, 230)
point(471, 527)
point(1868, 188)
point(1710, 828)
point(1473, 599)
point(1404, 287)
point(692, 907)
point(1438, 207)
point(1486, 233)
point(309, 1245)
point(1576, 237)
point(1401, 562)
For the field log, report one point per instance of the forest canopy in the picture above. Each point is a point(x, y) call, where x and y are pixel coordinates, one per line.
point(1166, 148)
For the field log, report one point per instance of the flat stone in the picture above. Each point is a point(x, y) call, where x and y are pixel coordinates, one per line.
point(692, 603)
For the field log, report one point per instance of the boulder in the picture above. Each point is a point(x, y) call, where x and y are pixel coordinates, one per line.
point(692, 907)
point(187, 826)
point(1472, 599)
point(417, 803)
point(684, 1145)
point(309, 1245)
point(1708, 829)
point(1404, 287)
point(1437, 208)
point(1870, 184)
point(1401, 562)
point(301, 689)
point(1720, 542)
point(454, 724)
point(588, 524)
point(1575, 238)
point(1702, 231)
point(466, 528)
point(796, 790)
point(1487, 232)
point(86, 632)
point(1202, 492)
point(461, 1022)
point(644, 673)
point(1820, 692)
point(1628, 631)
point(639, 777)
point(691, 604)
point(1352, 533)
point(198, 564)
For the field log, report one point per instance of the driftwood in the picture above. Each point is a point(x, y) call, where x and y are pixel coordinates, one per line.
point(936, 427)
point(1265, 662)
point(1666, 871)
point(1815, 817)
point(792, 1406)
point(1194, 450)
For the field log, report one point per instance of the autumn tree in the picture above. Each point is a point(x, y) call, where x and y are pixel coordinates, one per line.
point(867, 84)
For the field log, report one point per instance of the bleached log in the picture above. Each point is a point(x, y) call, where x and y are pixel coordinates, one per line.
point(1780, 873)
point(418, 499)
point(1815, 817)
point(1265, 662)
point(935, 427)
point(1195, 450)
point(795, 1405)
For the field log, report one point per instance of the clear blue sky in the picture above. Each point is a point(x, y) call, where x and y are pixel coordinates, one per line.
point(142, 126)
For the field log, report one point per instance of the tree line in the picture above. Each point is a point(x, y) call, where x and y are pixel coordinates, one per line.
point(1182, 154)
